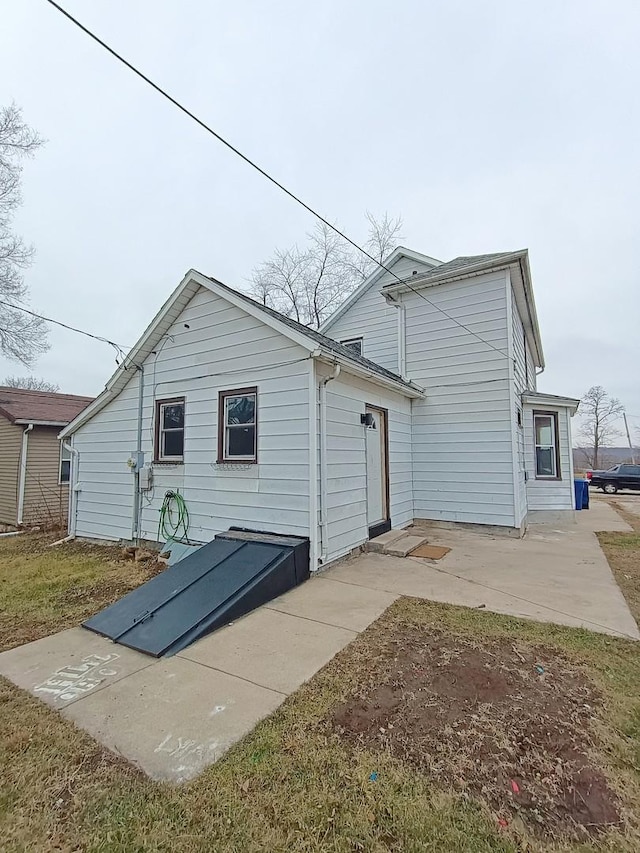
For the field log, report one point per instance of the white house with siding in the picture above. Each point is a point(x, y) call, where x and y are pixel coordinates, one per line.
point(417, 400)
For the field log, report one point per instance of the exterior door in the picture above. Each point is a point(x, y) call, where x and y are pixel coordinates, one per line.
point(378, 519)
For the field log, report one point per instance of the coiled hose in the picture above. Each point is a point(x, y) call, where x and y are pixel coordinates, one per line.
point(174, 518)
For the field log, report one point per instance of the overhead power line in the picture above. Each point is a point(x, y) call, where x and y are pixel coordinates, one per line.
point(118, 348)
point(262, 171)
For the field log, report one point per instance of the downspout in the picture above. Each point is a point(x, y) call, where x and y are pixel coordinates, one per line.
point(135, 526)
point(402, 335)
point(324, 521)
point(313, 466)
point(73, 495)
point(23, 473)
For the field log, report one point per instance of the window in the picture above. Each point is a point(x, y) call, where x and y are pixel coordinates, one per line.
point(169, 437)
point(65, 464)
point(353, 343)
point(546, 439)
point(237, 425)
point(630, 469)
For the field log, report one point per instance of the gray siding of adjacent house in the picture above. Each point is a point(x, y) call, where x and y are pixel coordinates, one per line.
point(46, 501)
point(10, 449)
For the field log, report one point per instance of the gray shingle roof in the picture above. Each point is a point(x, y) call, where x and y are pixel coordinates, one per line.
point(458, 265)
point(319, 338)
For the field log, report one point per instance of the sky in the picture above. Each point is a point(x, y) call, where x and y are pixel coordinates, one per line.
point(486, 126)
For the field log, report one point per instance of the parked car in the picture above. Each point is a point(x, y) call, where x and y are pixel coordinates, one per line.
point(616, 478)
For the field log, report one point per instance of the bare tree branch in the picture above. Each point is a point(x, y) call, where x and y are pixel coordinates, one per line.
point(308, 284)
point(22, 338)
point(599, 412)
point(30, 383)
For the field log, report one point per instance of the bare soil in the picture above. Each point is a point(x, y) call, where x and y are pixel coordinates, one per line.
point(509, 724)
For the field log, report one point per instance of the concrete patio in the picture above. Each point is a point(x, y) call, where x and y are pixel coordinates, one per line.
point(174, 716)
point(556, 573)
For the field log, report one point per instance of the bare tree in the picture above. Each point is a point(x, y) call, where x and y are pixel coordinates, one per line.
point(599, 415)
point(309, 283)
point(22, 337)
point(29, 383)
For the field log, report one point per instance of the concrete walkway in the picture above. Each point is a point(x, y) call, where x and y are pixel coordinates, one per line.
point(174, 716)
point(554, 574)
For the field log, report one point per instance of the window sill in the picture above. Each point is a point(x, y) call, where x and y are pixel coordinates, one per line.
point(168, 462)
point(236, 461)
point(548, 479)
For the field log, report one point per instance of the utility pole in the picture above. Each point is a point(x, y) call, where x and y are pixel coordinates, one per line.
point(626, 426)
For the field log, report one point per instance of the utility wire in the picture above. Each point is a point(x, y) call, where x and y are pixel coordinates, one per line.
point(119, 349)
point(259, 169)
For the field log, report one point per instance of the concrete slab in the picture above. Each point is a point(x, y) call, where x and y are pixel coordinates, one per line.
point(405, 544)
point(378, 544)
point(600, 517)
point(553, 574)
point(336, 604)
point(174, 718)
point(65, 667)
point(272, 649)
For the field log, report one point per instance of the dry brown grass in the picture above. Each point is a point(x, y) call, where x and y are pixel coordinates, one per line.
point(44, 589)
point(623, 555)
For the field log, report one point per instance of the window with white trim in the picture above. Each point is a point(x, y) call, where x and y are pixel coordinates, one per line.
point(238, 425)
point(356, 344)
point(545, 429)
point(64, 475)
point(169, 437)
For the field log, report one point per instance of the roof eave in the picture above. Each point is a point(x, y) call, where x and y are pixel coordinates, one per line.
point(520, 258)
point(454, 275)
point(372, 278)
point(540, 399)
point(408, 389)
point(36, 422)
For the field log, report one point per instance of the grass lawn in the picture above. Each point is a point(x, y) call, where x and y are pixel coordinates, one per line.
point(302, 780)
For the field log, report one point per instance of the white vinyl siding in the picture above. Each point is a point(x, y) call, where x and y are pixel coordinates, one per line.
point(548, 494)
point(372, 319)
point(223, 348)
point(462, 431)
point(346, 460)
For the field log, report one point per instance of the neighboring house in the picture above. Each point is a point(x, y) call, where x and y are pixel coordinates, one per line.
point(421, 405)
point(34, 467)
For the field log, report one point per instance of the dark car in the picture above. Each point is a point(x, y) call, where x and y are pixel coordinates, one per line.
point(616, 478)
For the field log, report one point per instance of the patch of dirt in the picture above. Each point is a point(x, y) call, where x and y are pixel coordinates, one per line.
point(508, 724)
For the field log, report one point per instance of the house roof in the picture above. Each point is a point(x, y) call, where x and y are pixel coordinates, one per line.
point(471, 265)
point(460, 263)
point(538, 398)
point(322, 340)
point(314, 342)
point(375, 276)
point(22, 406)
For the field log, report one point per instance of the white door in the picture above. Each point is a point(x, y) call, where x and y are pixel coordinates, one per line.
point(376, 439)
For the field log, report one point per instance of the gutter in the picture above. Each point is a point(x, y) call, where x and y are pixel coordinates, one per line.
point(23, 473)
point(409, 389)
point(324, 522)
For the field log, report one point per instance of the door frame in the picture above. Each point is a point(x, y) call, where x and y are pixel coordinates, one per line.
point(385, 525)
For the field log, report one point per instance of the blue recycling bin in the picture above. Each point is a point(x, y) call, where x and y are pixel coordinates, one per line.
point(581, 488)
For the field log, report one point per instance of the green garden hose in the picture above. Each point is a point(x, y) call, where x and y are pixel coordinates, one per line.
point(174, 518)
